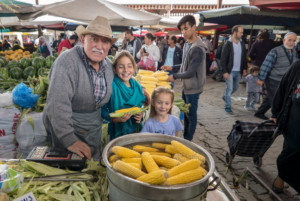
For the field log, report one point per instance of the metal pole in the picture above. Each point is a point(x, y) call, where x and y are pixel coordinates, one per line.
point(216, 35)
point(141, 27)
point(40, 33)
point(250, 40)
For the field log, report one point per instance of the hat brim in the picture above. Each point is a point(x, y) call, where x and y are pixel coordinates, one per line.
point(86, 32)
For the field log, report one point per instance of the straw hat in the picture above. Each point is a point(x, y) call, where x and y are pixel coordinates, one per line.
point(79, 30)
point(101, 27)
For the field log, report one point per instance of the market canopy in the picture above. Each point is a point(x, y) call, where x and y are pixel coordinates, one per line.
point(9, 8)
point(88, 10)
point(251, 15)
point(276, 4)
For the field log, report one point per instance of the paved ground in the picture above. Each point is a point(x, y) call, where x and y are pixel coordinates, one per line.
point(214, 125)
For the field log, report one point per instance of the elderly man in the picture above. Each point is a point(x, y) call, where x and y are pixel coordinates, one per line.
point(80, 84)
point(275, 65)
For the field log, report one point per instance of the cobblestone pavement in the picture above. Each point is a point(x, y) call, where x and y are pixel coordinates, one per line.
point(214, 125)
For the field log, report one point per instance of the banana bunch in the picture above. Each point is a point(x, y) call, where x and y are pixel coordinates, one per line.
point(151, 80)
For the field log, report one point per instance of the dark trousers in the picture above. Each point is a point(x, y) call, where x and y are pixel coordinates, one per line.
point(190, 119)
point(271, 88)
point(208, 63)
point(288, 166)
point(218, 74)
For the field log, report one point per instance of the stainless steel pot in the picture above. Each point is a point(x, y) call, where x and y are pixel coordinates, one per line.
point(123, 188)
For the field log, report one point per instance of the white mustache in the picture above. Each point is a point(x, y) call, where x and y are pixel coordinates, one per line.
point(98, 51)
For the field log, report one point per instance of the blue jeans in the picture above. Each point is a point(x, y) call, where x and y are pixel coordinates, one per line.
point(190, 119)
point(232, 84)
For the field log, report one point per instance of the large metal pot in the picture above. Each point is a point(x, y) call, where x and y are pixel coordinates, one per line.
point(123, 188)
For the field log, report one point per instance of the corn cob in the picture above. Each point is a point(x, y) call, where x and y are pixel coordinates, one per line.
point(171, 149)
point(136, 165)
point(187, 152)
point(149, 162)
point(160, 73)
point(159, 145)
point(162, 78)
point(155, 177)
point(184, 167)
point(180, 158)
point(133, 160)
point(125, 152)
point(149, 78)
point(187, 177)
point(127, 169)
point(113, 158)
point(140, 148)
point(133, 111)
point(165, 161)
point(160, 154)
point(145, 72)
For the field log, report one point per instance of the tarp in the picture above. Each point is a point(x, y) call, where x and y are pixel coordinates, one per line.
point(11, 8)
point(88, 10)
point(251, 15)
point(276, 4)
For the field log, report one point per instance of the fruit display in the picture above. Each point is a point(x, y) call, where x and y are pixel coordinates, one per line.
point(182, 165)
point(16, 55)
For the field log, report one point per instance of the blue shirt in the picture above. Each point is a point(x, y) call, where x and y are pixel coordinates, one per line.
point(170, 57)
point(169, 127)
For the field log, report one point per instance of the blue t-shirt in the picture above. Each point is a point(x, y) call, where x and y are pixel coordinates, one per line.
point(170, 56)
point(168, 128)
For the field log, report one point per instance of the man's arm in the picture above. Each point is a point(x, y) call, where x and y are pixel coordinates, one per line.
point(196, 58)
point(267, 65)
point(225, 57)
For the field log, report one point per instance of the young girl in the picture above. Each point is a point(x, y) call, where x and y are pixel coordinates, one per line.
point(126, 93)
point(161, 120)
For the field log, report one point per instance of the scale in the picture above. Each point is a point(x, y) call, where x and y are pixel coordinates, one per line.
point(57, 157)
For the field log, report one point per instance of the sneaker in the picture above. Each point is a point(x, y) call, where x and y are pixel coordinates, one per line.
point(228, 110)
point(261, 116)
point(246, 108)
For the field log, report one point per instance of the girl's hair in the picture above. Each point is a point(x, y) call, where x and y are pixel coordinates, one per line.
point(150, 36)
point(254, 69)
point(124, 53)
point(157, 91)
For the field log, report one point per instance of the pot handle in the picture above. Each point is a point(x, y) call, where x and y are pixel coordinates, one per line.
point(101, 161)
point(218, 182)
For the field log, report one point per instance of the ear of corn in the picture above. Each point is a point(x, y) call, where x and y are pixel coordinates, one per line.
point(127, 169)
point(125, 152)
point(133, 160)
point(160, 73)
point(187, 177)
point(133, 111)
point(186, 166)
point(170, 149)
point(160, 154)
point(155, 177)
point(149, 162)
point(140, 148)
point(187, 152)
point(165, 161)
point(162, 78)
point(145, 72)
point(149, 78)
point(180, 157)
point(159, 145)
point(113, 158)
point(136, 165)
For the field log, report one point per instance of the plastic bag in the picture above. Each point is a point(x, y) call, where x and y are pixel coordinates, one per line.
point(6, 99)
point(213, 66)
point(30, 133)
point(23, 96)
point(149, 65)
point(10, 180)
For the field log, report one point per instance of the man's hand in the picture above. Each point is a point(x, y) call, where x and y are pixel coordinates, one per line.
point(81, 148)
point(123, 119)
point(147, 101)
point(260, 82)
point(274, 120)
point(170, 78)
point(138, 117)
point(244, 72)
point(226, 76)
point(166, 68)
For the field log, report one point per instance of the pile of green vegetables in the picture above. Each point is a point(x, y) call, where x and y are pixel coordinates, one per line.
point(183, 107)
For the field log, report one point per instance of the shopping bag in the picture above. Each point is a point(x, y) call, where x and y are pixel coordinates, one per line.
point(213, 66)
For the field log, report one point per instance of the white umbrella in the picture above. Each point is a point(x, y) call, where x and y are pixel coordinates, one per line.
point(87, 10)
